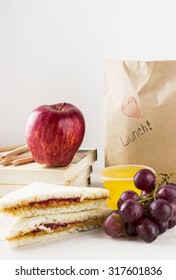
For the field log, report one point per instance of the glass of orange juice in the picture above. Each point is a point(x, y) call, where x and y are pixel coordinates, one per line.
point(118, 179)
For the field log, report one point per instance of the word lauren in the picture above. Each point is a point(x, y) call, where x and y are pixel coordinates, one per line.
point(144, 128)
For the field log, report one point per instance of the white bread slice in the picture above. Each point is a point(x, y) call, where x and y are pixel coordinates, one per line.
point(20, 232)
point(27, 241)
point(18, 203)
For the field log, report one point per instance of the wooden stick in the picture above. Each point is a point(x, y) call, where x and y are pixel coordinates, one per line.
point(6, 161)
point(23, 160)
point(16, 151)
point(10, 147)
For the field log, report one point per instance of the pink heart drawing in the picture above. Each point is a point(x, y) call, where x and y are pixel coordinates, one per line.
point(131, 109)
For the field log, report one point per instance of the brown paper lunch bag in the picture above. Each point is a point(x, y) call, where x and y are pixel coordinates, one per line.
point(140, 114)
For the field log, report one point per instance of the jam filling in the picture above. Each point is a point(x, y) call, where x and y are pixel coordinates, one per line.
point(51, 226)
point(54, 202)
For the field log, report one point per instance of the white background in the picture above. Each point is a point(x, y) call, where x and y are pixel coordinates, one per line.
point(54, 50)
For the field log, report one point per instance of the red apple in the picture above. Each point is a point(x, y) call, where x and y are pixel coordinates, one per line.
point(54, 133)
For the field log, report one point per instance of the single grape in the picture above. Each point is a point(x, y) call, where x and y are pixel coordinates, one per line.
point(113, 225)
point(162, 227)
point(172, 221)
point(144, 193)
point(160, 211)
point(173, 205)
point(147, 230)
point(130, 229)
point(127, 195)
point(171, 224)
point(167, 192)
point(145, 179)
point(131, 211)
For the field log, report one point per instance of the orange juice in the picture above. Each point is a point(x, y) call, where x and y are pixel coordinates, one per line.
point(118, 179)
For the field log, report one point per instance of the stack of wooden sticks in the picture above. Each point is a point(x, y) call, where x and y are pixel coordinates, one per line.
point(16, 155)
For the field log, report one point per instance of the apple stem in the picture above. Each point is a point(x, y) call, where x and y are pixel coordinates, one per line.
point(62, 106)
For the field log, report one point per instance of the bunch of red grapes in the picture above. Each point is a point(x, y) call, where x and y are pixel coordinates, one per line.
point(146, 215)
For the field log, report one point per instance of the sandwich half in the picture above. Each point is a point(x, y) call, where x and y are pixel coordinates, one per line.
point(28, 231)
point(46, 199)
